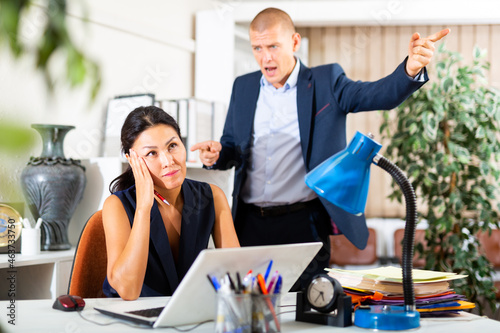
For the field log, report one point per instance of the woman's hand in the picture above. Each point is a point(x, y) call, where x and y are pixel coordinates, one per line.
point(128, 248)
point(144, 185)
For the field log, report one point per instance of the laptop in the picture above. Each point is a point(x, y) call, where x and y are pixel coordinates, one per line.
point(194, 299)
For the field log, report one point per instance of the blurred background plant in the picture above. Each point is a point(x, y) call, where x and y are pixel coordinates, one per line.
point(53, 50)
point(445, 137)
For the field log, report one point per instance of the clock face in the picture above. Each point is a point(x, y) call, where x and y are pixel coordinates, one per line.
point(320, 292)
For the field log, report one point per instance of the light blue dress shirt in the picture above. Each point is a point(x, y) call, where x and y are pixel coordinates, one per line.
point(276, 172)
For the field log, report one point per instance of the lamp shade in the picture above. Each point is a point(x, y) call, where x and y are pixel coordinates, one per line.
point(343, 179)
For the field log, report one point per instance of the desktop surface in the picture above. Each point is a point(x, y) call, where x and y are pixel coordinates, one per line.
point(38, 316)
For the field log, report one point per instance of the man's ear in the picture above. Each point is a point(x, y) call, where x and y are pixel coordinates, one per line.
point(296, 41)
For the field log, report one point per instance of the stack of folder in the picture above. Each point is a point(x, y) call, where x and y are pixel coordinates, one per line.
point(384, 286)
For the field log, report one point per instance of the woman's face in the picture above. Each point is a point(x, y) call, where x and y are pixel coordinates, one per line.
point(164, 154)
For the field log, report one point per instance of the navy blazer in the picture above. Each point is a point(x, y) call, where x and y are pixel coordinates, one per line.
point(324, 98)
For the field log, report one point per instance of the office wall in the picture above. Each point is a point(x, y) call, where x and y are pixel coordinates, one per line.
point(141, 46)
point(371, 52)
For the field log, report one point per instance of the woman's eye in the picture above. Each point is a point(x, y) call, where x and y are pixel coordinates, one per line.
point(173, 145)
point(151, 153)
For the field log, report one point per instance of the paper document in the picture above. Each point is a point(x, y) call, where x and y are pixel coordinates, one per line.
point(395, 274)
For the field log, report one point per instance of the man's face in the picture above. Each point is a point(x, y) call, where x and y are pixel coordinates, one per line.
point(273, 50)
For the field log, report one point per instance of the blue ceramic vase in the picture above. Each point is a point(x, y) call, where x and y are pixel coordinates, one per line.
point(53, 186)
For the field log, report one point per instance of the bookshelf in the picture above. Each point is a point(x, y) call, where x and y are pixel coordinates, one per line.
point(199, 120)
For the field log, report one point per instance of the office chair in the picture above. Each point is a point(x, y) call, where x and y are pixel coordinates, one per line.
point(344, 253)
point(90, 262)
point(490, 246)
point(398, 247)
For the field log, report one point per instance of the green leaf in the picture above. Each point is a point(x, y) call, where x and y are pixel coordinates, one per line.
point(437, 202)
point(447, 84)
point(433, 177)
point(413, 128)
point(430, 125)
point(484, 167)
point(480, 132)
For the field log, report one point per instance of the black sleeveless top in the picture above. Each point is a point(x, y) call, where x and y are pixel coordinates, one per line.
point(163, 275)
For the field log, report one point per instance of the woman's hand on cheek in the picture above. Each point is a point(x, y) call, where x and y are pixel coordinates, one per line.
point(143, 182)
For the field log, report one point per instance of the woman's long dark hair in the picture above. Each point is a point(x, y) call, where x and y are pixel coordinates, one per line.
point(137, 122)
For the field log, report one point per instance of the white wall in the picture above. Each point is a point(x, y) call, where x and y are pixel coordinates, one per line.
point(141, 46)
point(323, 13)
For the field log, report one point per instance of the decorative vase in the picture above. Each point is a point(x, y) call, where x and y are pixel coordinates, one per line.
point(53, 186)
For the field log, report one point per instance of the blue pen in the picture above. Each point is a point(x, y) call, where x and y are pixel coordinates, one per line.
point(277, 287)
point(215, 283)
point(268, 270)
point(211, 282)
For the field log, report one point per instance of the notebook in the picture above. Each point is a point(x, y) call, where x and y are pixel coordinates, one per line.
point(194, 299)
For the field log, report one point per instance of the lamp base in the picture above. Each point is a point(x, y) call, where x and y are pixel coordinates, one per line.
point(386, 317)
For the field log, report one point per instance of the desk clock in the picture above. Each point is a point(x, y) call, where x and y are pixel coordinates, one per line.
point(324, 302)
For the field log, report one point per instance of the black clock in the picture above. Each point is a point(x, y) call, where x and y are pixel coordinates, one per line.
point(323, 302)
point(322, 293)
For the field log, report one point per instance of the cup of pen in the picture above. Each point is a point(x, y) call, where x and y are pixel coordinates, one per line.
point(30, 238)
point(234, 313)
point(249, 305)
point(265, 315)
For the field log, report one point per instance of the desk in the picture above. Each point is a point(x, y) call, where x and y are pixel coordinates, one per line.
point(38, 316)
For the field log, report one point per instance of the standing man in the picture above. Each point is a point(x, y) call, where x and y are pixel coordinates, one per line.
point(286, 119)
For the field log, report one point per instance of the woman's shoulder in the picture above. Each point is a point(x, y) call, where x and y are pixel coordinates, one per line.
point(119, 197)
point(112, 203)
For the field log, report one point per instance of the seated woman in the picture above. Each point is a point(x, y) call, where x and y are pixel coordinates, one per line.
point(156, 221)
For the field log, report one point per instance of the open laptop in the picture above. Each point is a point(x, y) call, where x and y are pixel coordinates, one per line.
point(194, 299)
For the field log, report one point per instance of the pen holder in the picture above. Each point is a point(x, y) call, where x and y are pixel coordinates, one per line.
point(265, 317)
point(234, 313)
point(30, 241)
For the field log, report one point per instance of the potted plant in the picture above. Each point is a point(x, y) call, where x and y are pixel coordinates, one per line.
point(445, 137)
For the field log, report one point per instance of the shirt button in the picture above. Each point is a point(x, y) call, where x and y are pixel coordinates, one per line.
point(269, 158)
point(268, 182)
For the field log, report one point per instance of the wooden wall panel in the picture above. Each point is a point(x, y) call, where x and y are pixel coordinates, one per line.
point(369, 53)
point(494, 52)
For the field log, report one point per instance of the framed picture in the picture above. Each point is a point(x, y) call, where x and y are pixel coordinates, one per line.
point(118, 109)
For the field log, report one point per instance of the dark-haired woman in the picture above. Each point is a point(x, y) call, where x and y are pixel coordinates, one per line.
point(156, 221)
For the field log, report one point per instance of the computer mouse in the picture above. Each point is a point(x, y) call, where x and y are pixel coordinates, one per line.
point(69, 303)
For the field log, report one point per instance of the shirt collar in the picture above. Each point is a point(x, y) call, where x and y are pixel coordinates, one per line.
point(292, 79)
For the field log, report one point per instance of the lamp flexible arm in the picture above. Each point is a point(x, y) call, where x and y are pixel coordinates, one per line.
point(411, 219)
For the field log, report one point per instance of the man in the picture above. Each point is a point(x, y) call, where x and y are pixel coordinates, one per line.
point(285, 120)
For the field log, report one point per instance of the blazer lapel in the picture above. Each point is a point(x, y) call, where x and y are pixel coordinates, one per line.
point(305, 93)
point(249, 96)
point(159, 238)
point(188, 237)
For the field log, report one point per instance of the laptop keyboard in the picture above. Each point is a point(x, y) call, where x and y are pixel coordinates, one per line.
point(153, 312)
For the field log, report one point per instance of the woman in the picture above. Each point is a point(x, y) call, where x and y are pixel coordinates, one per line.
point(156, 221)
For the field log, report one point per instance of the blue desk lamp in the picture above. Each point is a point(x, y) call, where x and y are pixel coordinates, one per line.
point(343, 180)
